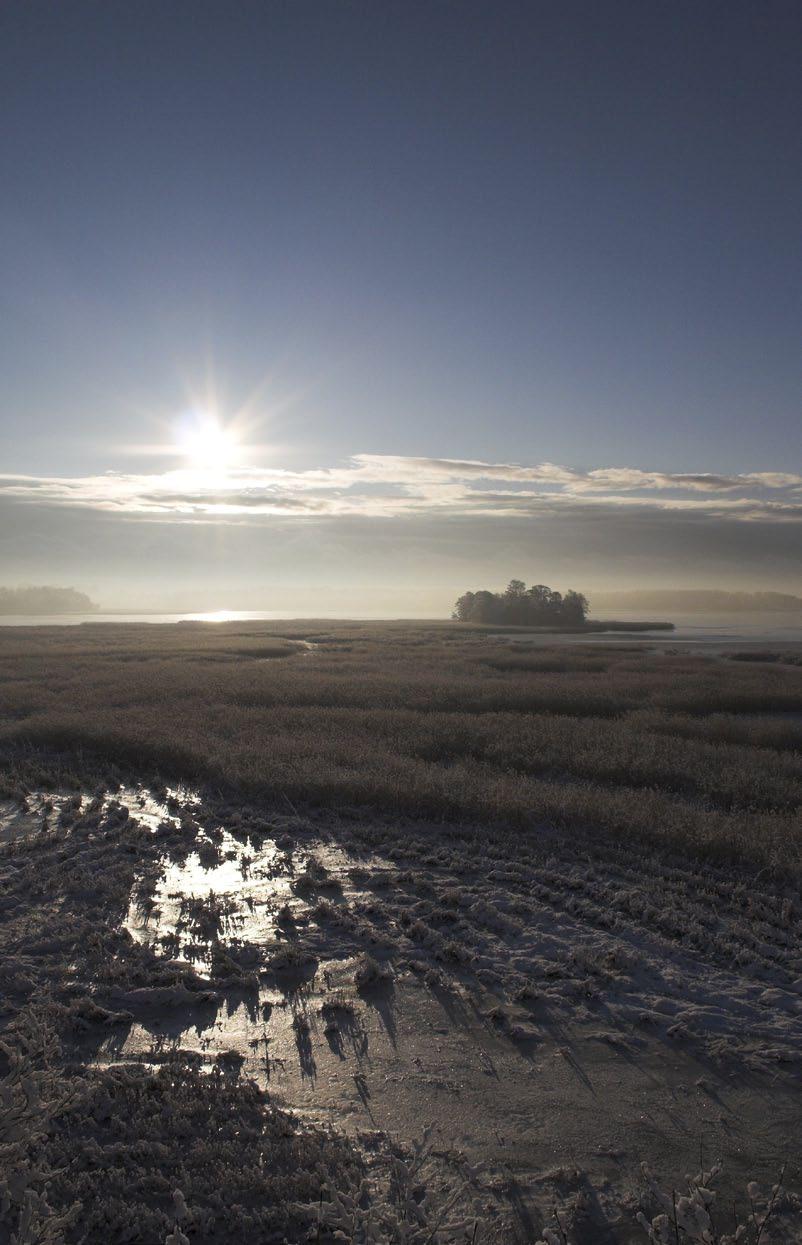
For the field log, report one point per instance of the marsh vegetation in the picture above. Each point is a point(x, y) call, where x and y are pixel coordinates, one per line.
point(547, 900)
point(432, 720)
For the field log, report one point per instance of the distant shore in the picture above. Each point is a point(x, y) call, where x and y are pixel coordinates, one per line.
point(619, 625)
point(592, 626)
point(681, 601)
point(216, 618)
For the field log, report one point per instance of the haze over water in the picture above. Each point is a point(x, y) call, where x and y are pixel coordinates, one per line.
point(703, 631)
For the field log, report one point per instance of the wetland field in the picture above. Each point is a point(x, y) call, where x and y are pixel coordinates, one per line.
point(398, 932)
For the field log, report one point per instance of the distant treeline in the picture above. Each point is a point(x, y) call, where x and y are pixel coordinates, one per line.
point(701, 600)
point(519, 606)
point(45, 600)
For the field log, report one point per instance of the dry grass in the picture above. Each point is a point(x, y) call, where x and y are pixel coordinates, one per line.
point(441, 720)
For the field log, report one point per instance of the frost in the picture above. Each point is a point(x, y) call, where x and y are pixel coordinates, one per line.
point(692, 1216)
point(406, 1214)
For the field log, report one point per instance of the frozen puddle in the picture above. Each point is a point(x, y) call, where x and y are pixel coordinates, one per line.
point(253, 896)
point(286, 932)
point(546, 1005)
point(36, 814)
point(43, 812)
point(216, 891)
point(550, 1003)
point(678, 954)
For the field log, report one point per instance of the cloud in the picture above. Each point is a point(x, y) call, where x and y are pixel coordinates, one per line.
point(393, 486)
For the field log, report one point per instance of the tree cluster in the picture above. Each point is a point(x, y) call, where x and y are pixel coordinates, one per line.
point(45, 600)
point(520, 606)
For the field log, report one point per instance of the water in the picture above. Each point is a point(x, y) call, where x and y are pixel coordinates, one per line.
point(77, 620)
point(772, 628)
point(209, 616)
point(691, 630)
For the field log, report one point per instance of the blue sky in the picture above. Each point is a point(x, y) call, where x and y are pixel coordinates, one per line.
point(511, 233)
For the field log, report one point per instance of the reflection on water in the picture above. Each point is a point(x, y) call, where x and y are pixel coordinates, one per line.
point(41, 812)
point(270, 921)
point(692, 632)
point(211, 616)
point(220, 888)
point(76, 620)
point(701, 630)
point(276, 1036)
point(272, 917)
point(233, 889)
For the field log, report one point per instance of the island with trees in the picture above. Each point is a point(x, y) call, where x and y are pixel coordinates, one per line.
point(539, 607)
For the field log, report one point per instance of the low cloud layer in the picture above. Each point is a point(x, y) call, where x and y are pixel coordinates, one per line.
point(397, 536)
point(385, 486)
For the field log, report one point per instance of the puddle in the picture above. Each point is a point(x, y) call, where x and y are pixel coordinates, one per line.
point(222, 889)
point(382, 976)
point(40, 813)
point(153, 811)
point(273, 1035)
point(45, 811)
point(260, 895)
point(299, 648)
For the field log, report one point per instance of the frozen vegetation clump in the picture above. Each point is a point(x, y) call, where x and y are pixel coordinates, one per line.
point(30, 1097)
point(369, 972)
point(409, 1210)
point(102, 1165)
point(313, 877)
point(695, 1216)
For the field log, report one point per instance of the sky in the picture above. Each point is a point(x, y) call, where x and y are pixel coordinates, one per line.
point(321, 303)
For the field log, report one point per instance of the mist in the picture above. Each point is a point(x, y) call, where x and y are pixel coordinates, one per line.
point(384, 567)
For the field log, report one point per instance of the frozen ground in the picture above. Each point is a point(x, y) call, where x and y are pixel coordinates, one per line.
point(559, 1008)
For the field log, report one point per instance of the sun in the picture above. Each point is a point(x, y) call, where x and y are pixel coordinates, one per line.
point(206, 442)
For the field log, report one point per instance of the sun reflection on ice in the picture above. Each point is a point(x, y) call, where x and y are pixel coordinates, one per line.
point(248, 889)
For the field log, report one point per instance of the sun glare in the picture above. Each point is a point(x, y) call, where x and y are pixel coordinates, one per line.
point(207, 443)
